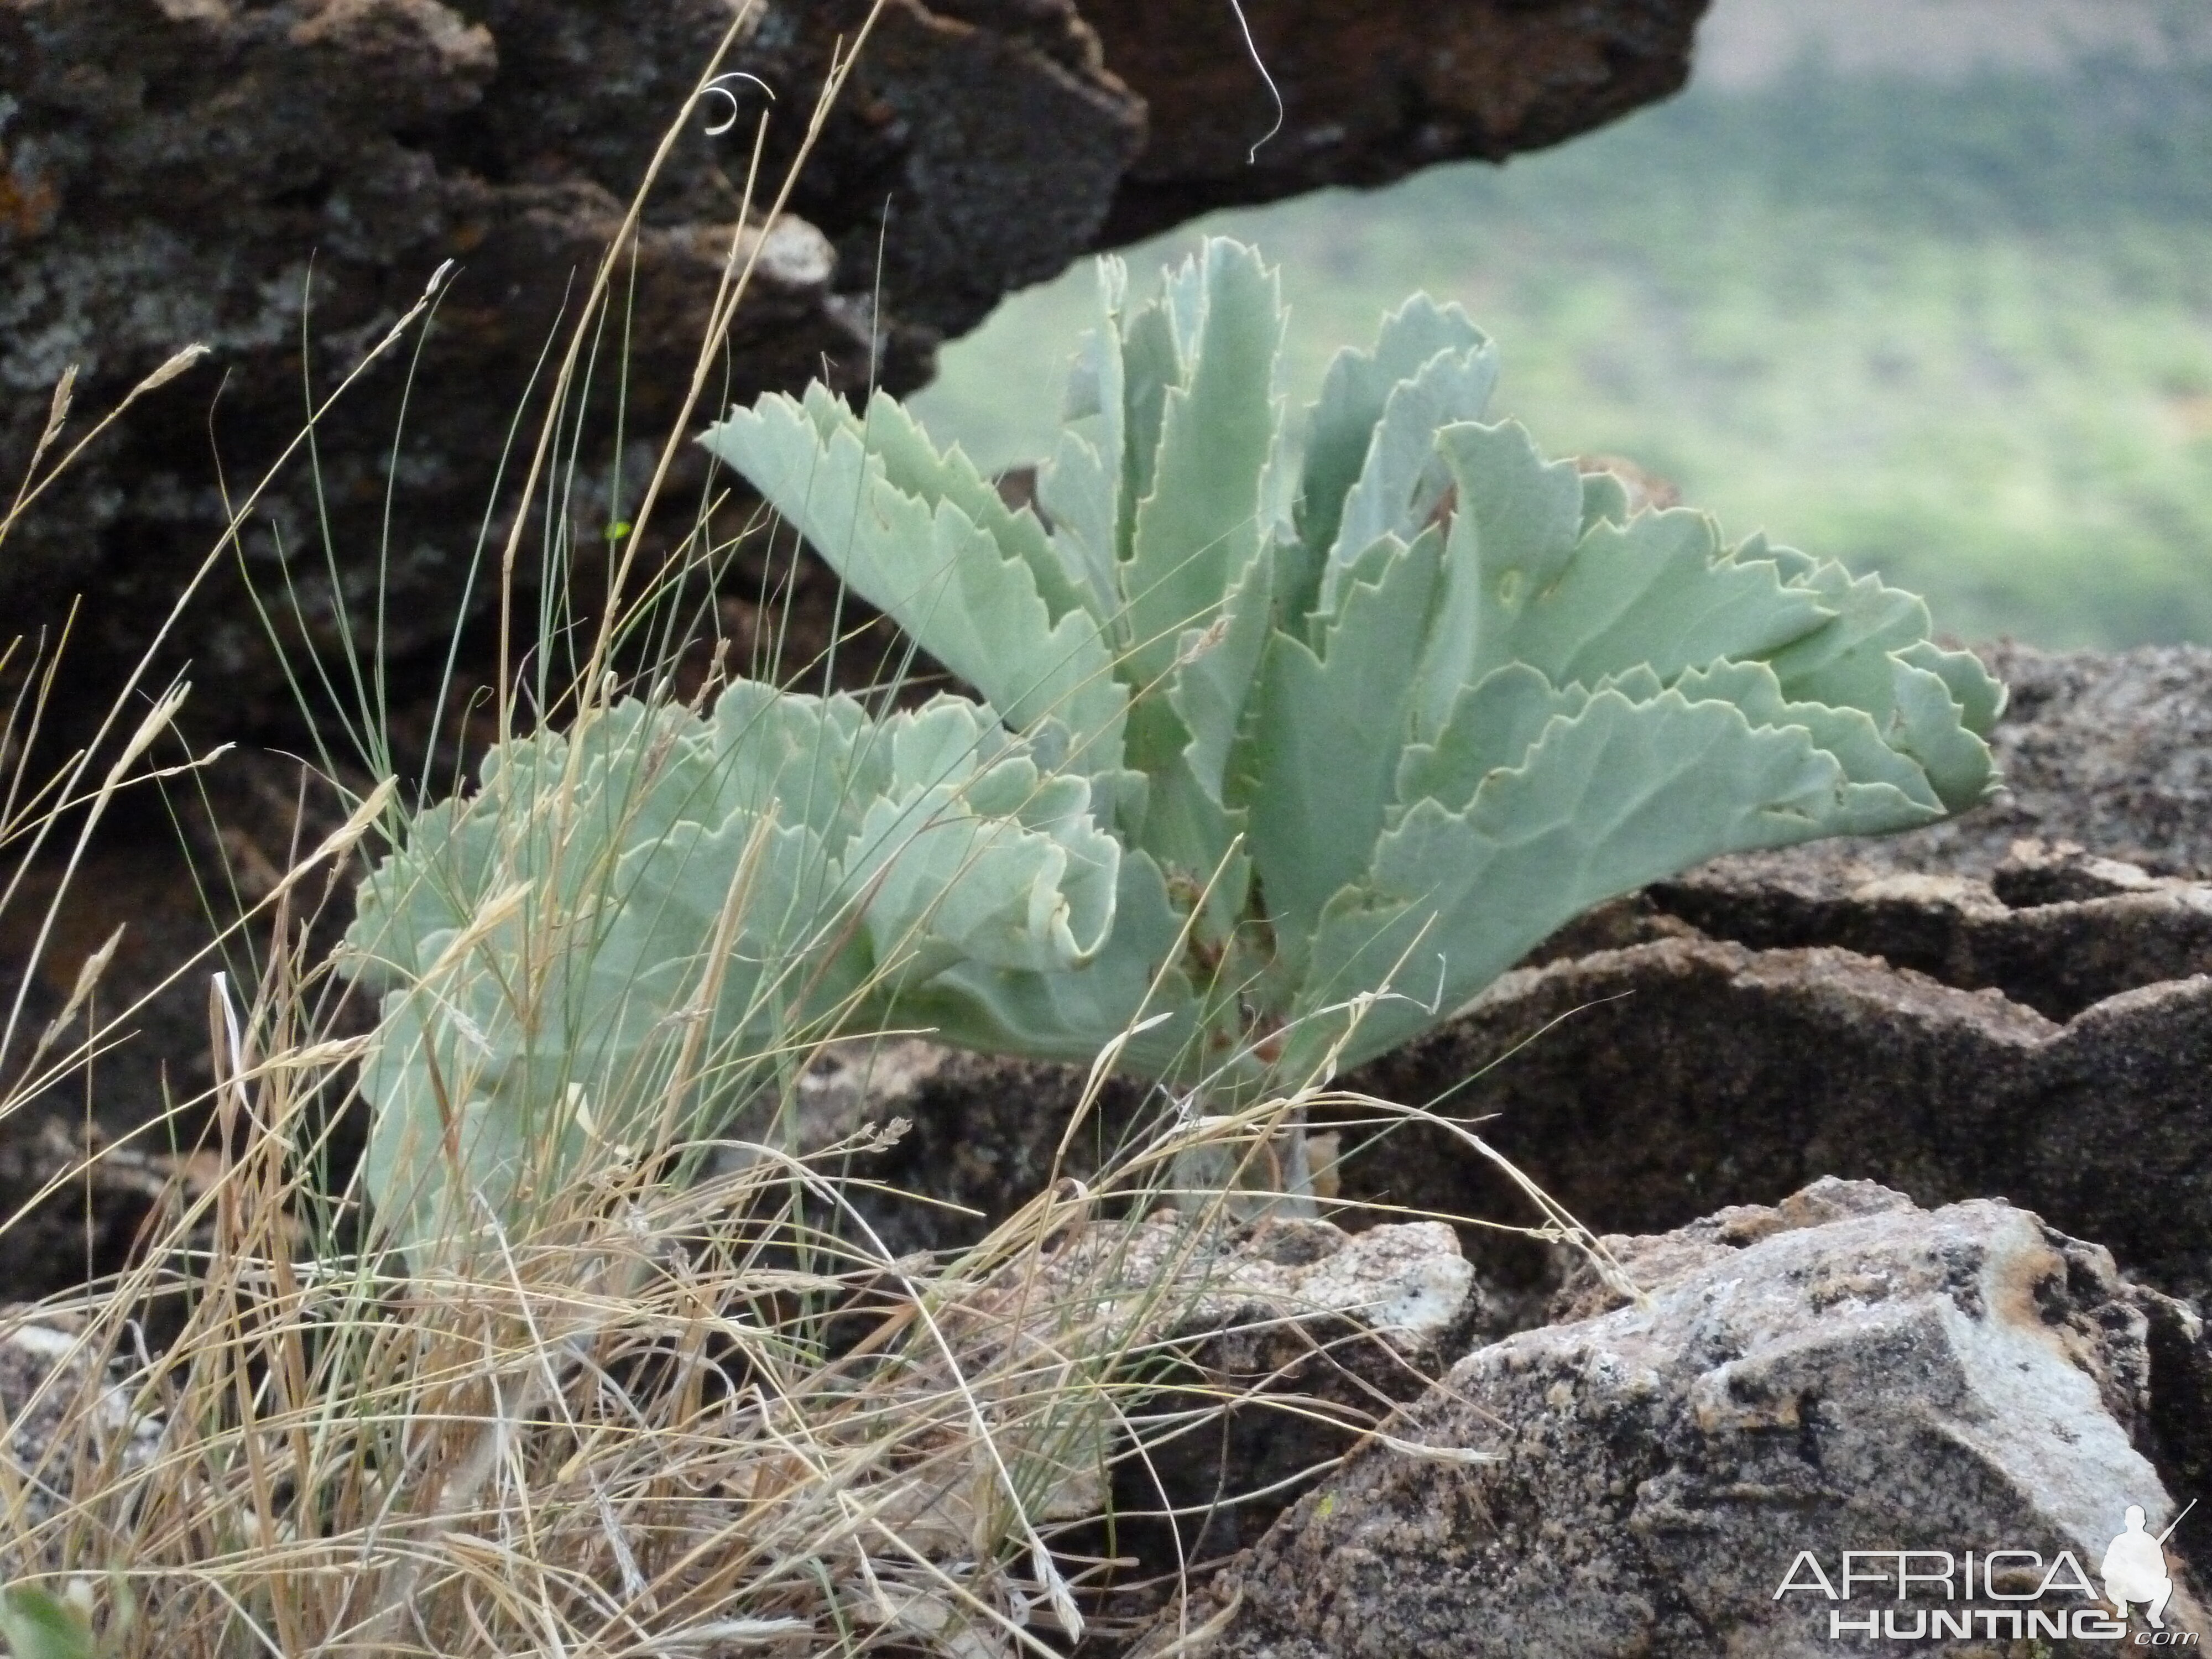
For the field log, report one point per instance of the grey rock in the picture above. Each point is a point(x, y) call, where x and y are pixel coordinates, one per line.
point(1843, 1372)
point(2113, 752)
point(1405, 1281)
point(1311, 1337)
point(61, 1403)
point(1267, 1353)
point(976, 153)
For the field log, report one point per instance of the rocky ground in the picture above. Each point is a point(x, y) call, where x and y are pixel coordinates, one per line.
point(1902, 1147)
point(1841, 1371)
point(1965, 1070)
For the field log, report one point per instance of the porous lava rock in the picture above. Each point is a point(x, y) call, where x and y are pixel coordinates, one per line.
point(278, 178)
point(1370, 88)
point(1841, 1372)
point(1309, 1335)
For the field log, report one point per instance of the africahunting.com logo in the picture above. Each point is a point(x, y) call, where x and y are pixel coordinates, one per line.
point(2009, 1595)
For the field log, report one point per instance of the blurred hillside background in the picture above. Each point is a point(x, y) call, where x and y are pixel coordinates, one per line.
point(1922, 285)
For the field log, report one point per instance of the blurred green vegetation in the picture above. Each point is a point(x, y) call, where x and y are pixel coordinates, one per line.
point(1958, 332)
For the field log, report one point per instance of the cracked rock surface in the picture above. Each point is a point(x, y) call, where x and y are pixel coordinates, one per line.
point(1842, 1371)
point(1688, 1072)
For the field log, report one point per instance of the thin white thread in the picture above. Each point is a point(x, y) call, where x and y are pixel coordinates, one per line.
point(716, 87)
point(1252, 47)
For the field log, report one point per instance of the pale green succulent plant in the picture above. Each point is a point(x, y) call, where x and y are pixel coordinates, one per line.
point(1399, 704)
point(604, 940)
point(1290, 747)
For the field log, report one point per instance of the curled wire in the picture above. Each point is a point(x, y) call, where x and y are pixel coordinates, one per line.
point(1252, 48)
point(719, 90)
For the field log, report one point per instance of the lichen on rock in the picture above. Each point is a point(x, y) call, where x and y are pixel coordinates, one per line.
point(1843, 1371)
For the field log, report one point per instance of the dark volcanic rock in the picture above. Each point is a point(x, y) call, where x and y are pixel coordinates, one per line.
point(1641, 1086)
point(1688, 1073)
point(975, 154)
point(278, 180)
point(983, 1134)
point(2055, 928)
point(77, 1208)
point(1315, 1334)
point(1372, 88)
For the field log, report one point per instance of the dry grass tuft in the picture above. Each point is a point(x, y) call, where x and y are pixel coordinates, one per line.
point(672, 1418)
point(689, 1405)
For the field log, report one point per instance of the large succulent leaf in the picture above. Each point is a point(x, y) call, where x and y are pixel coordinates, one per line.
point(1512, 515)
point(912, 463)
point(974, 603)
point(1001, 867)
point(1402, 487)
point(1186, 827)
point(1328, 732)
point(1152, 364)
point(1884, 785)
point(624, 777)
point(1199, 524)
point(1188, 741)
point(1979, 694)
point(658, 887)
point(1581, 605)
point(1343, 426)
point(1492, 723)
point(811, 761)
point(1073, 1016)
point(1874, 654)
point(1080, 487)
point(1618, 795)
point(1211, 686)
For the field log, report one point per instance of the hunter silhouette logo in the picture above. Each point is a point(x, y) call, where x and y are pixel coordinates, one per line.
point(2134, 1568)
point(2014, 1594)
